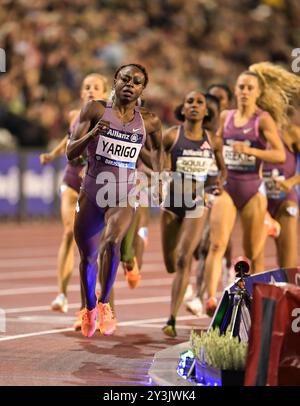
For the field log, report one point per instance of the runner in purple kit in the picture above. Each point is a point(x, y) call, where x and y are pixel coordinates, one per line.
point(113, 134)
point(94, 86)
point(280, 181)
point(262, 96)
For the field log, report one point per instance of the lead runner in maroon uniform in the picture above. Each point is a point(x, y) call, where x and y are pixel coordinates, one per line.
point(113, 134)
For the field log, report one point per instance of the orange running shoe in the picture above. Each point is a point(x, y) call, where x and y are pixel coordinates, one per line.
point(107, 319)
point(273, 226)
point(211, 305)
point(133, 276)
point(88, 324)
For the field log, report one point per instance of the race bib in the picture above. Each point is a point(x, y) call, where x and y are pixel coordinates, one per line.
point(195, 164)
point(236, 161)
point(116, 152)
point(269, 178)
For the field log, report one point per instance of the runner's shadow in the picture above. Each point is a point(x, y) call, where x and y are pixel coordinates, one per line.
point(107, 373)
point(126, 345)
point(120, 359)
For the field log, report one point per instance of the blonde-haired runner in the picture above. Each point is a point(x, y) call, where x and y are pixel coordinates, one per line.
point(250, 136)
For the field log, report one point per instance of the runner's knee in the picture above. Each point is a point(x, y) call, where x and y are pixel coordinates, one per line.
point(218, 247)
point(69, 232)
point(182, 260)
point(111, 242)
point(88, 260)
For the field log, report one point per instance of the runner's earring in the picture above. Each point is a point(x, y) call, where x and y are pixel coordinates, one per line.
point(112, 95)
point(182, 115)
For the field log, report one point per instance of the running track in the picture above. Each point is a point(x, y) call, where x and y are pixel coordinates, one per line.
point(40, 347)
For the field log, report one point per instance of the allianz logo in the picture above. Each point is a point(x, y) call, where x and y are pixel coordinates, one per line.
point(10, 185)
point(39, 185)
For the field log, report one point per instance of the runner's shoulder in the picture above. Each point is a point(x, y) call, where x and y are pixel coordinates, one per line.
point(92, 109)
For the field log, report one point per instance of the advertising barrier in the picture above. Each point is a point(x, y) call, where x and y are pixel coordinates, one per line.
point(27, 188)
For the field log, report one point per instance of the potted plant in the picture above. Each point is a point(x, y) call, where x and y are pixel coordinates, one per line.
point(219, 359)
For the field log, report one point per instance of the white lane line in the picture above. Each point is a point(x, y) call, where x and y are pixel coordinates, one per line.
point(16, 255)
point(45, 260)
point(75, 288)
point(160, 326)
point(38, 274)
point(118, 302)
point(36, 334)
point(63, 320)
point(156, 320)
point(36, 309)
point(48, 273)
point(36, 289)
point(64, 330)
point(21, 262)
point(70, 320)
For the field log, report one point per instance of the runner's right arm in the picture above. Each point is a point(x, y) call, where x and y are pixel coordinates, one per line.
point(57, 151)
point(80, 137)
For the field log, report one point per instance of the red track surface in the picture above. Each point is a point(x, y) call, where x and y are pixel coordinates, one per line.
point(39, 346)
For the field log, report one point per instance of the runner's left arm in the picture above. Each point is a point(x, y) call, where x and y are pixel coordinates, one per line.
point(154, 138)
point(217, 144)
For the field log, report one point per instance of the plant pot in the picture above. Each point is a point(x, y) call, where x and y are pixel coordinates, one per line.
point(210, 376)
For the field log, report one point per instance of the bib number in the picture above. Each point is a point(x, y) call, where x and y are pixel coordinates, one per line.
point(117, 153)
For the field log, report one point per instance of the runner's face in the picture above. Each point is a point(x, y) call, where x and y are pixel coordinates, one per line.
point(129, 84)
point(194, 108)
point(222, 95)
point(92, 89)
point(247, 90)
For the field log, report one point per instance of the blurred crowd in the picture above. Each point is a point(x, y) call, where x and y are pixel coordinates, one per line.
point(51, 45)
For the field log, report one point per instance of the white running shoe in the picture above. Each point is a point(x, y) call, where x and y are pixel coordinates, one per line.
point(195, 306)
point(60, 303)
point(189, 293)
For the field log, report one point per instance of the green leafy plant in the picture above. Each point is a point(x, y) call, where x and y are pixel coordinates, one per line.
point(219, 351)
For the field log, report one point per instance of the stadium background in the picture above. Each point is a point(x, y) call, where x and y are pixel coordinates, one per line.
point(51, 45)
